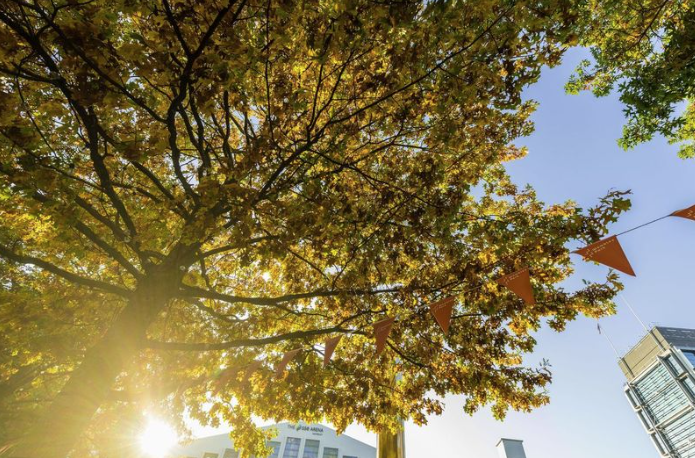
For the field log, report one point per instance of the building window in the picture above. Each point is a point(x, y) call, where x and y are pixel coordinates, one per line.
point(275, 446)
point(230, 453)
point(291, 447)
point(210, 455)
point(690, 355)
point(329, 452)
point(311, 449)
point(348, 456)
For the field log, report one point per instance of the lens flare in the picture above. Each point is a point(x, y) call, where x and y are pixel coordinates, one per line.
point(157, 439)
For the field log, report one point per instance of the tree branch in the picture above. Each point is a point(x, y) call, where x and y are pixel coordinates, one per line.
point(235, 246)
point(108, 249)
point(239, 343)
point(69, 276)
point(193, 291)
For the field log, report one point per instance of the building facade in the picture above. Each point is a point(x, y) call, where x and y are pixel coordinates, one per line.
point(660, 372)
point(511, 448)
point(293, 440)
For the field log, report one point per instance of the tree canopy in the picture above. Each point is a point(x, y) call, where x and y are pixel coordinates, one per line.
point(193, 185)
point(646, 49)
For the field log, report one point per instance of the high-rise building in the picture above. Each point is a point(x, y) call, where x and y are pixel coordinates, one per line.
point(293, 440)
point(660, 373)
point(511, 448)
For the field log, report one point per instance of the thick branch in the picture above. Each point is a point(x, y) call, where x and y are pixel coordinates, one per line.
point(203, 346)
point(108, 249)
point(69, 276)
point(193, 291)
point(103, 173)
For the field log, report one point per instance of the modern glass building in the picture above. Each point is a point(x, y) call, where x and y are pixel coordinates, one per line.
point(293, 440)
point(660, 373)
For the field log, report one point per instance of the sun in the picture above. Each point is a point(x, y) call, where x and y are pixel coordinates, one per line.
point(157, 438)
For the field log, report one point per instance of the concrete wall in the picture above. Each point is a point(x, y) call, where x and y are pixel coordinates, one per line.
point(643, 355)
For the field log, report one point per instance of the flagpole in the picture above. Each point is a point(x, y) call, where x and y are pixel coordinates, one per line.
point(649, 331)
point(610, 342)
point(634, 313)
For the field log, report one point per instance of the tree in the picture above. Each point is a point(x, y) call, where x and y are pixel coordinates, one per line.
point(189, 186)
point(647, 49)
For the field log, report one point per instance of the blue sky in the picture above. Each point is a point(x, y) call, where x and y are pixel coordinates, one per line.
point(573, 154)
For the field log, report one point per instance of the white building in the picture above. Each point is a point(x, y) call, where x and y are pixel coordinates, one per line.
point(511, 448)
point(293, 440)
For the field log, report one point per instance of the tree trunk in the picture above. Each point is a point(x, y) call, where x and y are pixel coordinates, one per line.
point(71, 411)
point(22, 377)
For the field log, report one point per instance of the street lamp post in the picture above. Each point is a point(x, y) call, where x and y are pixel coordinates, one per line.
point(391, 445)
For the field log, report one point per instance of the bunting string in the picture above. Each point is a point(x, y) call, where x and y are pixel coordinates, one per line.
point(606, 251)
point(645, 224)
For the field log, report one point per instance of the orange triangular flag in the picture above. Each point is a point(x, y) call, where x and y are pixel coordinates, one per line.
point(442, 312)
point(608, 252)
point(520, 284)
point(382, 329)
point(289, 356)
point(251, 368)
point(331, 344)
point(688, 213)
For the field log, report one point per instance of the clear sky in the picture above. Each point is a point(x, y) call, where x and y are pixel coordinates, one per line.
point(573, 154)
